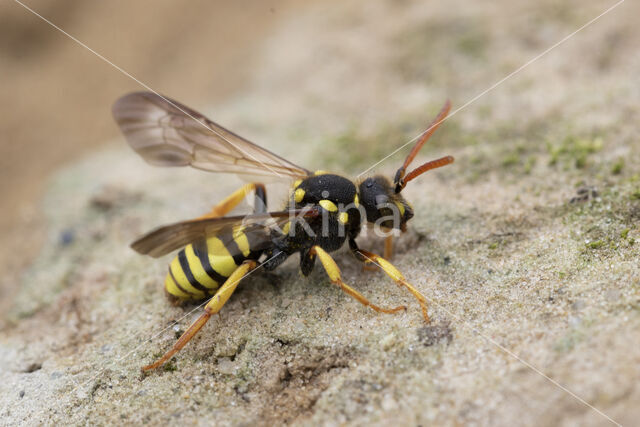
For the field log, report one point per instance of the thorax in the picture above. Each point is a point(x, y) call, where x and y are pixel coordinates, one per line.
point(324, 188)
point(338, 199)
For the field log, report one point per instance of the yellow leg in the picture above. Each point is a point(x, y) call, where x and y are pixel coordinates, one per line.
point(388, 253)
point(395, 274)
point(213, 306)
point(333, 272)
point(233, 200)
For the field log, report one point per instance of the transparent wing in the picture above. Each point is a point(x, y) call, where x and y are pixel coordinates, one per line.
point(168, 238)
point(167, 133)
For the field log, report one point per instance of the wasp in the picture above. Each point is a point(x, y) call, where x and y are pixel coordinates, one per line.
point(216, 251)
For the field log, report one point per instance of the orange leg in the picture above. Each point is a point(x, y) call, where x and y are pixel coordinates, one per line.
point(394, 273)
point(388, 246)
point(333, 272)
point(367, 267)
point(213, 306)
point(234, 199)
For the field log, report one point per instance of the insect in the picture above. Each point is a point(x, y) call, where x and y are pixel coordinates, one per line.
point(324, 210)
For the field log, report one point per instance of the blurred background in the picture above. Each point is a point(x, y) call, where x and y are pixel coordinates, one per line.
point(57, 95)
point(373, 69)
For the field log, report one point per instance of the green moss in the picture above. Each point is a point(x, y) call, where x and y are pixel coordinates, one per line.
point(617, 167)
point(635, 195)
point(352, 150)
point(511, 160)
point(518, 160)
point(452, 134)
point(357, 147)
point(529, 164)
point(170, 366)
point(449, 40)
point(625, 233)
point(573, 150)
point(595, 245)
point(473, 41)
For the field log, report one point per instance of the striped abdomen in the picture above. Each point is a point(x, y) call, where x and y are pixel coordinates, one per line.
point(200, 268)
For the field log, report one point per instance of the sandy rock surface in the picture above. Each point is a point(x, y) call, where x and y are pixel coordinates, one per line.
point(527, 247)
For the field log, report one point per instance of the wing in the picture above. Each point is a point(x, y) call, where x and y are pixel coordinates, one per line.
point(167, 133)
point(170, 237)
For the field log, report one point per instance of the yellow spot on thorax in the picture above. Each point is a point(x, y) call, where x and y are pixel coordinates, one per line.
point(356, 200)
point(328, 205)
point(298, 195)
point(320, 172)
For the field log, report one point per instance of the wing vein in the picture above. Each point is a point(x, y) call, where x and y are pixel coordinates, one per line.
point(164, 133)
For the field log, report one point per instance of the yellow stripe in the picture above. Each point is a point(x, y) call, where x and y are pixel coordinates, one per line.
point(220, 258)
point(198, 270)
point(243, 243)
point(298, 195)
point(171, 287)
point(176, 269)
point(297, 183)
point(328, 205)
point(401, 207)
point(356, 200)
point(320, 172)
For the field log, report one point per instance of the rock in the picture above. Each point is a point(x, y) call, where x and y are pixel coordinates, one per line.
point(494, 246)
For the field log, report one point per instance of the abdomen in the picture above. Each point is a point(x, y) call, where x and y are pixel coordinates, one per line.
point(202, 267)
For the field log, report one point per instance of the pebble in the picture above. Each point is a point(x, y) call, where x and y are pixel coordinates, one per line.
point(226, 366)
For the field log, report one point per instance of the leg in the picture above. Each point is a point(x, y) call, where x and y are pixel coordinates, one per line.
point(388, 246)
point(213, 306)
point(333, 272)
point(230, 202)
point(394, 273)
point(388, 253)
point(307, 261)
point(274, 259)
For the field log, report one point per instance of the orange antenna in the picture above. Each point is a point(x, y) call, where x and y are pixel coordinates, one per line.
point(433, 164)
point(400, 181)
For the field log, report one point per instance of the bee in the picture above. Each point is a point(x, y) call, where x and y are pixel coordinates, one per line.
point(216, 251)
